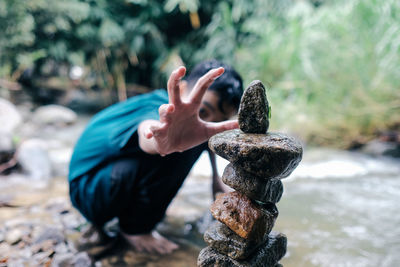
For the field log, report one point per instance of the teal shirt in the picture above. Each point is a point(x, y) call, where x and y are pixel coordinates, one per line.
point(109, 131)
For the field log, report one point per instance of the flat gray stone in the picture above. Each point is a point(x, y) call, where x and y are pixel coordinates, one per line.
point(271, 155)
point(252, 186)
point(227, 242)
point(266, 255)
point(253, 109)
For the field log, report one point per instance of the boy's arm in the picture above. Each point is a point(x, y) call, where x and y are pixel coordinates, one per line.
point(180, 126)
point(217, 185)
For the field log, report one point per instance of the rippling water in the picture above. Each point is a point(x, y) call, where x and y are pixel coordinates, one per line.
point(338, 209)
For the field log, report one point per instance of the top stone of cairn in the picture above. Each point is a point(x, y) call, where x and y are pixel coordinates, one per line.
point(254, 109)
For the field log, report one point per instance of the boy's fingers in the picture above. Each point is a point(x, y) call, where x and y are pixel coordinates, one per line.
point(217, 127)
point(154, 130)
point(165, 111)
point(173, 85)
point(148, 133)
point(203, 83)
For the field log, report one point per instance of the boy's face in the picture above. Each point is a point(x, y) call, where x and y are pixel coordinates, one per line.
point(209, 110)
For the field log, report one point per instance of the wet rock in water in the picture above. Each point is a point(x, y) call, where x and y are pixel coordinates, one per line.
point(267, 255)
point(253, 110)
point(32, 155)
point(227, 242)
point(252, 186)
point(54, 115)
point(242, 216)
point(273, 155)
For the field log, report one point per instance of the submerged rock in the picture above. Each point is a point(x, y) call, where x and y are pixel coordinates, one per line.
point(271, 155)
point(253, 110)
point(241, 215)
point(225, 241)
point(252, 186)
point(266, 255)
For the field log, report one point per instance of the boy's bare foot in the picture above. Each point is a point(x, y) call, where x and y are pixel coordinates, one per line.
point(151, 243)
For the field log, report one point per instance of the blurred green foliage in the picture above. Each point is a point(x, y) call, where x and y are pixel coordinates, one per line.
point(121, 40)
point(332, 65)
point(334, 71)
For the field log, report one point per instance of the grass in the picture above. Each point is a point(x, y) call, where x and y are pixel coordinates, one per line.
point(333, 71)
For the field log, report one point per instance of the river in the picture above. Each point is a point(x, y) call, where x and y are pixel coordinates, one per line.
point(339, 208)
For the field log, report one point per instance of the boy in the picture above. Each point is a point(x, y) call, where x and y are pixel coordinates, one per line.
point(131, 160)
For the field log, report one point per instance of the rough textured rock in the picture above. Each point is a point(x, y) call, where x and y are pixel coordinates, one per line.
point(241, 215)
point(253, 110)
point(271, 155)
point(266, 255)
point(252, 186)
point(225, 241)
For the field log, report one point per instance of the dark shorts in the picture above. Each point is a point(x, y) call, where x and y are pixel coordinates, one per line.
point(119, 189)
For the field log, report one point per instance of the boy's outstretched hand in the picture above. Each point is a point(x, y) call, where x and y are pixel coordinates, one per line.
point(180, 126)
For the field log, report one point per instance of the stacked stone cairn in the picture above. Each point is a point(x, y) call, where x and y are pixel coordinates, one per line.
point(242, 235)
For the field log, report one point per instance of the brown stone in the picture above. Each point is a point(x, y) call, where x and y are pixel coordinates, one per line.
point(241, 215)
point(253, 110)
point(263, 190)
point(266, 255)
point(271, 155)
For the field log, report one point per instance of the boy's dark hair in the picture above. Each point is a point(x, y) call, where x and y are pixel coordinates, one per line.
point(229, 86)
